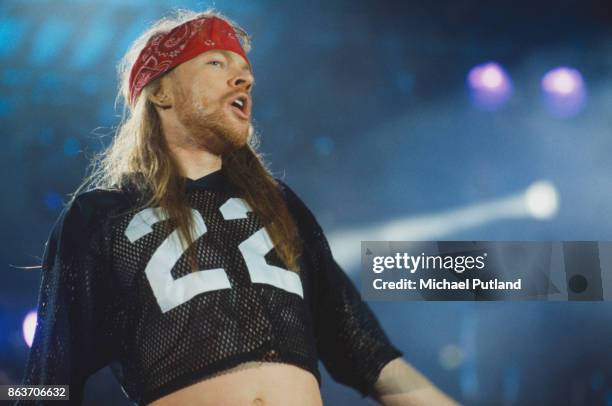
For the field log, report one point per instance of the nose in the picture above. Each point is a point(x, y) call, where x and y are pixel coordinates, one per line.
point(242, 79)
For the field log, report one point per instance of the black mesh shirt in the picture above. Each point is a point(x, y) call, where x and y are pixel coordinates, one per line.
point(117, 290)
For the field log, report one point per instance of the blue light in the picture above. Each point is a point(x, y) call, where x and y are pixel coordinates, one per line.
point(512, 384)
point(52, 200)
point(233, 8)
point(6, 107)
point(94, 43)
point(13, 77)
point(72, 146)
point(468, 380)
point(45, 136)
point(11, 32)
point(132, 32)
point(404, 82)
point(106, 114)
point(49, 40)
point(90, 84)
point(51, 82)
point(324, 145)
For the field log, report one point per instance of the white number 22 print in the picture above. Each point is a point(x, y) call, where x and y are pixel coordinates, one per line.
point(171, 292)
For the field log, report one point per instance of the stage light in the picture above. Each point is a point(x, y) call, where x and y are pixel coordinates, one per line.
point(451, 356)
point(6, 107)
point(72, 146)
point(404, 82)
point(490, 86)
point(542, 200)
point(49, 38)
point(94, 41)
point(29, 327)
point(12, 32)
point(564, 91)
point(53, 200)
point(562, 81)
point(324, 145)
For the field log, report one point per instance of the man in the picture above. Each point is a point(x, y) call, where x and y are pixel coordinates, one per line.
point(189, 269)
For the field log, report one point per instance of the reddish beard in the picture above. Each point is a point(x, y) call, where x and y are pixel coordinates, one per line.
point(217, 131)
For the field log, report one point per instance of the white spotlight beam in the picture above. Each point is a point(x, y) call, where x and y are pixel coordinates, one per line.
point(540, 201)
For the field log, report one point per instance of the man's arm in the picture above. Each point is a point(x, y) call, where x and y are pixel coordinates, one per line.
point(399, 384)
point(72, 340)
point(350, 341)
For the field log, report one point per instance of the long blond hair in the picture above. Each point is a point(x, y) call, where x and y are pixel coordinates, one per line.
point(139, 154)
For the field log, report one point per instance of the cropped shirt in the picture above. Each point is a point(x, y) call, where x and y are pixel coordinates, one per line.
point(117, 290)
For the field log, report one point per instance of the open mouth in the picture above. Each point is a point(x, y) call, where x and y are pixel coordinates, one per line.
point(240, 105)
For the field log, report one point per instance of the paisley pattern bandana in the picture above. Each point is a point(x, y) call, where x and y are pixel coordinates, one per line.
point(184, 42)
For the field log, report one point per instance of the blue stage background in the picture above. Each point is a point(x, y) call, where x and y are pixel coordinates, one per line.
point(364, 109)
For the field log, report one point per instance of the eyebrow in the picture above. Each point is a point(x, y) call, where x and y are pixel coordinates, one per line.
point(225, 53)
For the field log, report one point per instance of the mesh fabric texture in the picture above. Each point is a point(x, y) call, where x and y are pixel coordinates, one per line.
point(97, 306)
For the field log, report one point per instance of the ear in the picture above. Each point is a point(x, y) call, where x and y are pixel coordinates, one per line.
point(162, 96)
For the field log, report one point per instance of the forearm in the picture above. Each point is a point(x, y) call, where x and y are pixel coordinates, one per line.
point(399, 384)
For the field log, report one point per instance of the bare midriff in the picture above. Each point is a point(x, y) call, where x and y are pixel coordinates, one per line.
point(251, 384)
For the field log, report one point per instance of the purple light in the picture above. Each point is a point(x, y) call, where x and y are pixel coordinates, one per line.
point(29, 327)
point(564, 91)
point(562, 81)
point(490, 86)
point(487, 76)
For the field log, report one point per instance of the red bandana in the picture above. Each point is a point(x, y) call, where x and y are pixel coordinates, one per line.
point(186, 41)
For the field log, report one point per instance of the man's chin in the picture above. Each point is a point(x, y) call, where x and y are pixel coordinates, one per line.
point(231, 141)
point(233, 146)
point(222, 135)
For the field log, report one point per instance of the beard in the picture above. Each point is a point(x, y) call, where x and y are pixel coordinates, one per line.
point(215, 131)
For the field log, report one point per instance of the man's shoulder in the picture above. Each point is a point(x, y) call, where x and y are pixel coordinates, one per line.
point(82, 219)
point(291, 197)
point(296, 205)
point(100, 198)
point(91, 207)
point(284, 187)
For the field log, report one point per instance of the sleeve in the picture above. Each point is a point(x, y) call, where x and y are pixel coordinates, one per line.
point(350, 341)
point(72, 340)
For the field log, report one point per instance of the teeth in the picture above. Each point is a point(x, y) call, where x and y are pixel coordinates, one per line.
point(239, 102)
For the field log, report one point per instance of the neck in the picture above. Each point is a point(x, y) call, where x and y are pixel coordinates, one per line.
point(194, 161)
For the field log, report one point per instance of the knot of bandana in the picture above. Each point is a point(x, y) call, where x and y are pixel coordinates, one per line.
point(184, 42)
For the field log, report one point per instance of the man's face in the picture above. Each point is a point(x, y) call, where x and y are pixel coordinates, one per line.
point(212, 99)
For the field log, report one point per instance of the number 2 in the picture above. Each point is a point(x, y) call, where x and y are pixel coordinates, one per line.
point(170, 292)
